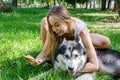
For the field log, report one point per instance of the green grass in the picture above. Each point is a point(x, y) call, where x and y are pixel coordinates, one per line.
point(20, 35)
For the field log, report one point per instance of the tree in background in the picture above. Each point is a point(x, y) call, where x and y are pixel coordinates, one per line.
point(73, 2)
point(109, 4)
point(103, 5)
point(14, 3)
point(115, 7)
point(118, 6)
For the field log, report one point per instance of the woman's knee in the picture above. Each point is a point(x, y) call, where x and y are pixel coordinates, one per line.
point(105, 43)
point(100, 41)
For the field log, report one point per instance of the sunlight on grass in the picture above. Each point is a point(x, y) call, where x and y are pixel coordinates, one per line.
point(99, 14)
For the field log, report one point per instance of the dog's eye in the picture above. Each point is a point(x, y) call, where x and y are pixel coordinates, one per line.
point(66, 56)
point(76, 56)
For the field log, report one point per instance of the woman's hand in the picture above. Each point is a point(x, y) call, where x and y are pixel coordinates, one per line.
point(34, 61)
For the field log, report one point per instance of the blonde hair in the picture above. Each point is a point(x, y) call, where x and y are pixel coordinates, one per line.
point(62, 13)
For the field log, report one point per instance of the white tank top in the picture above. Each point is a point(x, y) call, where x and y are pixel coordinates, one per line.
point(79, 25)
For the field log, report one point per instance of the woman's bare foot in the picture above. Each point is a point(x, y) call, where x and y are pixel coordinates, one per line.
point(34, 61)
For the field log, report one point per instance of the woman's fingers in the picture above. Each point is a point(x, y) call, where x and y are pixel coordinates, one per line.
point(31, 60)
point(34, 61)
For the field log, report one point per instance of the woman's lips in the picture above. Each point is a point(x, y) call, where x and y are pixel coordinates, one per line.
point(58, 33)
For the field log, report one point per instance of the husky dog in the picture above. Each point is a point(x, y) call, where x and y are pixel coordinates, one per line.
point(72, 57)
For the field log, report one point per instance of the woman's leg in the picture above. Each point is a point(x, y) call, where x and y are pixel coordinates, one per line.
point(100, 41)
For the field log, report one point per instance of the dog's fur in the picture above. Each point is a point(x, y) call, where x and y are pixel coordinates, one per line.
point(72, 57)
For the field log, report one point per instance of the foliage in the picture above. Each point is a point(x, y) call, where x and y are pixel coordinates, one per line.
point(76, 1)
point(43, 1)
point(6, 7)
point(73, 2)
point(82, 1)
point(20, 35)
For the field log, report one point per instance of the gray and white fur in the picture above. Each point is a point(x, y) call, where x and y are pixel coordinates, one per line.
point(72, 57)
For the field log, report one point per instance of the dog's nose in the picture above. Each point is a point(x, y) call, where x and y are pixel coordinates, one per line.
point(70, 68)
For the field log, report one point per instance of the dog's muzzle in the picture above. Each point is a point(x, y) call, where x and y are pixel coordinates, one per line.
point(71, 71)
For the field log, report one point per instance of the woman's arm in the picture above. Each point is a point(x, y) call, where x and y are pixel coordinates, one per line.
point(42, 56)
point(92, 64)
point(43, 30)
point(46, 49)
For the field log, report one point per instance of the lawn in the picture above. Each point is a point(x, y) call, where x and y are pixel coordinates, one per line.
point(20, 35)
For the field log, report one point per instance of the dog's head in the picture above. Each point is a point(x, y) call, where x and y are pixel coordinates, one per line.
point(70, 56)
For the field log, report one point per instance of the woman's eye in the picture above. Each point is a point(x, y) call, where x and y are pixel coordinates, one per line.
point(57, 25)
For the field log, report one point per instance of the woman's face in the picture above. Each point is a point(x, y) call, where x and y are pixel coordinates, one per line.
point(59, 26)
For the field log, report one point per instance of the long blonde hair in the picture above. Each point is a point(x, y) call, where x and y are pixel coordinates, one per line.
point(62, 13)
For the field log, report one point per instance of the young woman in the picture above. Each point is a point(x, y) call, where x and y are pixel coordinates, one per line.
point(60, 24)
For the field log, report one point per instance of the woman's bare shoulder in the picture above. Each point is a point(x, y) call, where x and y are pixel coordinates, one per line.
point(44, 19)
point(44, 23)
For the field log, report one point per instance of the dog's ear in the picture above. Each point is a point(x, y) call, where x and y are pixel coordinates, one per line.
point(64, 40)
point(77, 37)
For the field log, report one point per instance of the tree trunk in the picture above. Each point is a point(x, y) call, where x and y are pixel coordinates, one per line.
point(86, 5)
point(90, 4)
point(118, 6)
point(103, 5)
point(115, 6)
point(47, 4)
point(74, 4)
point(14, 3)
point(54, 2)
point(109, 4)
point(94, 4)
